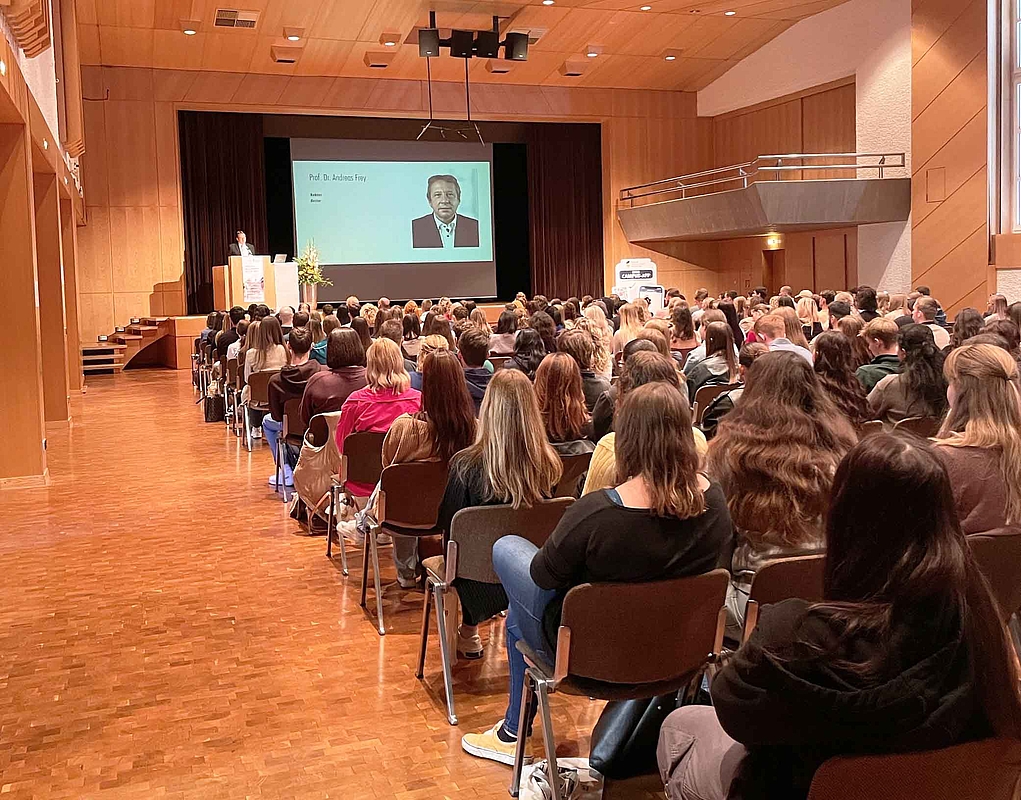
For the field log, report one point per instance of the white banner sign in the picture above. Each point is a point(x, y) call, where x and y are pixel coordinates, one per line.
point(253, 279)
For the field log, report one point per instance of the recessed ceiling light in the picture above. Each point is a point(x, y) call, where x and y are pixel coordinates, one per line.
point(729, 13)
point(46, 144)
point(390, 39)
point(645, 8)
point(3, 67)
point(189, 27)
point(592, 55)
point(548, 2)
point(190, 31)
point(294, 34)
point(670, 58)
point(294, 38)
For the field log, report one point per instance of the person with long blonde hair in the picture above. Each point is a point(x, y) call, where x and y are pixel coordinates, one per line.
point(660, 519)
point(477, 319)
point(808, 315)
point(792, 325)
point(429, 344)
point(596, 323)
point(980, 440)
point(510, 462)
point(630, 326)
point(775, 456)
point(374, 408)
point(369, 312)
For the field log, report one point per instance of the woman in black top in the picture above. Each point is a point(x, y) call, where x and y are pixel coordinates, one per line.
point(529, 351)
point(667, 521)
point(906, 652)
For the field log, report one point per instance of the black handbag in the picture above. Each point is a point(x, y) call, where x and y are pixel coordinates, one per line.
point(213, 408)
point(625, 736)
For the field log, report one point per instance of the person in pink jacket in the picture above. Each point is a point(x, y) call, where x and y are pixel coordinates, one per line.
point(374, 408)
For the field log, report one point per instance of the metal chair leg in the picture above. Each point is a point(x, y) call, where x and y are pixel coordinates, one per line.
point(543, 692)
point(374, 547)
point(426, 608)
point(365, 570)
point(448, 679)
point(528, 700)
point(278, 473)
point(248, 431)
point(329, 521)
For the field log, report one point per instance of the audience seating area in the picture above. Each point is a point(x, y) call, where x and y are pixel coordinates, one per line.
point(776, 384)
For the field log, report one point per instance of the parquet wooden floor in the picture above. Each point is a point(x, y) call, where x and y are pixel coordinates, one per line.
point(166, 631)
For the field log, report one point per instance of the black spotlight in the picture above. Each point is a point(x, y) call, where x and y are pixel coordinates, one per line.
point(428, 42)
point(487, 44)
point(516, 47)
point(461, 43)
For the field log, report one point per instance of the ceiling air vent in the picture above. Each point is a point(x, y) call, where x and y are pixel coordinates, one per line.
point(231, 18)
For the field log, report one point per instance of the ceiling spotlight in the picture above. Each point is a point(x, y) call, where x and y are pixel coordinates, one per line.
point(548, 2)
point(294, 34)
point(729, 13)
point(671, 55)
point(3, 68)
point(190, 31)
point(670, 58)
point(189, 27)
point(390, 39)
point(46, 144)
point(645, 8)
point(593, 50)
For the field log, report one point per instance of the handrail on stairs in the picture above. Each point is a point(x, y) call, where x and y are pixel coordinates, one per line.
point(775, 165)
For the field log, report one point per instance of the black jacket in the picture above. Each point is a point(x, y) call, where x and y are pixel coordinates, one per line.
point(793, 710)
point(478, 379)
point(235, 248)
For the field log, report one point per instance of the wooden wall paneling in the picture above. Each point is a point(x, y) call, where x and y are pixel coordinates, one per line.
point(22, 458)
point(52, 320)
point(830, 250)
point(775, 129)
point(799, 262)
point(828, 126)
point(72, 313)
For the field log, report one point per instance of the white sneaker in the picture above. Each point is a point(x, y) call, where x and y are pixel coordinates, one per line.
point(288, 481)
point(383, 539)
point(469, 646)
point(347, 529)
point(256, 433)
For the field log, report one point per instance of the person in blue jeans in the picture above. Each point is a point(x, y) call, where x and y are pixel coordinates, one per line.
point(666, 521)
point(288, 384)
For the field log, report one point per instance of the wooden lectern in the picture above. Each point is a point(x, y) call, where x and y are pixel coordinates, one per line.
point(229, 283)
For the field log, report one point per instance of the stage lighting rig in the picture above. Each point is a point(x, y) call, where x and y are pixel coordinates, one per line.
point(469, 44)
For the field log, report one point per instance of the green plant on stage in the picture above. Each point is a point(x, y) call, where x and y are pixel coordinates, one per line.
point(309, 271)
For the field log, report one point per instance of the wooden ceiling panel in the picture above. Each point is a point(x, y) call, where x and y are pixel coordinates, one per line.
point(338, 33)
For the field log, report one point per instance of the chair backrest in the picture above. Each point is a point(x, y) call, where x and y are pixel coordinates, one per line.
point(925, 427)
point(989, 769)
point(292, 419)
point(998, 553)
point(474, 531)
point(705, 396)
point(362, 459)
point(258, 387)
point(232, 372)
point(498, 362)
point(410, 494)
point(574, 467)
point(673, 625)
point(871, 427)
point(318, 432)
point(799, 576)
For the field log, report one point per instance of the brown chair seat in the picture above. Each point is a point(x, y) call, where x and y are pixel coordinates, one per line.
point(998, 553)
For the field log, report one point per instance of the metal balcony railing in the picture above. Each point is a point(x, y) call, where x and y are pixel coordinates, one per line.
point(766, 167)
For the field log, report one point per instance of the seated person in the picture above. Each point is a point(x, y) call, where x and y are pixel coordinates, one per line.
point(723, 404)
point(602, 414)
point(394, 331)
point(429, 344)
point(288, 384)
point(920, 390)
point(639, 369)
point(444, 426)
point(473, 347)
point(330, 324)
point(580, 346)
point(328, 389)
point(510, 462)
point(720, 364)
point(883, 339)
point(529, 351)
point(775, 455)
point(665, 521)
point(905, 653)
point(234, 348)
point(562, 404)
point(502, 342)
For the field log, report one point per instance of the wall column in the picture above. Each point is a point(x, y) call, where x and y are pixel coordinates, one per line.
point(69, 246)
point(23, 455)
point(51, 297)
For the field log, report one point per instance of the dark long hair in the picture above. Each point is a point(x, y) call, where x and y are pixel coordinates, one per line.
point(437, 325)
point(730, 312)
point(720, 341)
point(529, 350)
point(923, 368)
point(361, 326)
point(412, 326)
point(895, 553)
point(446, 404)
point(543, 323)
point(507, 323)
point(682, 324)
point(967, 323)
point(835, 367)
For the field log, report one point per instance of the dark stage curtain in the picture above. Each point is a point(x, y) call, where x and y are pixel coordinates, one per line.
point(223, 189)
point(565, 189)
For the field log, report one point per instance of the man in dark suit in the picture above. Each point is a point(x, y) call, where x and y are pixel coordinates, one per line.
point(240, 247)
point(444, 227)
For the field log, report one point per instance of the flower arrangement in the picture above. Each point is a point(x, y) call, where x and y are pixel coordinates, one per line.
point(309, 271)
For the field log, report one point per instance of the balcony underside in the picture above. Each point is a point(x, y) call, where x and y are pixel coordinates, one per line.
point(770, 207)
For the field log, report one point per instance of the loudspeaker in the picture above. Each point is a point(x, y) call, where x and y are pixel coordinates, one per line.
point(428, 42)
point(461, 43)
point(516, 47)
point(487, 44)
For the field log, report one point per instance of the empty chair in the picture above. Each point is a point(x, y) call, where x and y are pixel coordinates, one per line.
point(409, 504)
point(473, 532)
point(988, 769)
point(605, 651)
point(801, 577)
point(293, 433)
point(362, 462)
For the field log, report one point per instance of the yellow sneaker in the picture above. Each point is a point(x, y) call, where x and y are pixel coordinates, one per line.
point(489, 745)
